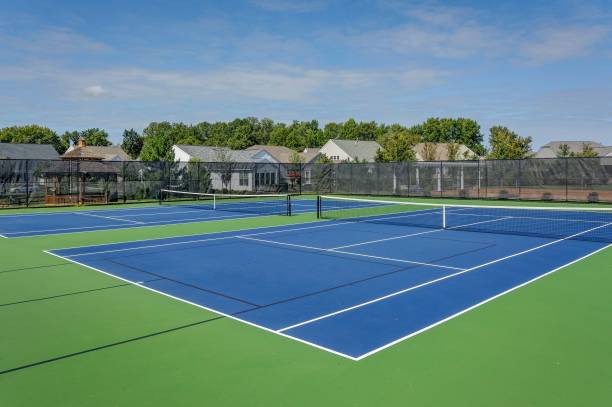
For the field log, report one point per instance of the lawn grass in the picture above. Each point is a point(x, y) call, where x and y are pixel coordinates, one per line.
point(100, 342)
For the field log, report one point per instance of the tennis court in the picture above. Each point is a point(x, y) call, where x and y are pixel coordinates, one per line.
point(175, 208)
point(349, 301)
point(369, 275)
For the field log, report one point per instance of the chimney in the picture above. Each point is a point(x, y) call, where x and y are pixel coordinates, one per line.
point(81, 142)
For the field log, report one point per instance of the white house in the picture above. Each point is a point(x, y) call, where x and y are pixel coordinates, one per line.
point(350, 150)
point(235, 170)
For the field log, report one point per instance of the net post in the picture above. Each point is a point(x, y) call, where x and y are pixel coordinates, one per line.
point(318, 206)
point(443, 216)
point(161, 196)
point(214, 201)
point(288, 205)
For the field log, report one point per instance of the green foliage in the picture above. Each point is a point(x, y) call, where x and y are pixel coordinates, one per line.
point(505, 144)
point(32, 134)
point(430, 151)
point(587, 151)
point(95, 137)
point(132, 143)
point(564, 151)
point(296, 158)
point(397, 145)
point(452, 151)
point(323, 159)
point(448, 130)
point(158, 139)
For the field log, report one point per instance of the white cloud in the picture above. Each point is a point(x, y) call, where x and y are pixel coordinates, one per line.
point(556, 43)
point(94, 90)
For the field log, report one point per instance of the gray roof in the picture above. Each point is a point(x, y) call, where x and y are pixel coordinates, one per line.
point(28, 151)
point(604, 151)
point(549, 150)
point(215, 154)
point(284, 154)
point(358, 149)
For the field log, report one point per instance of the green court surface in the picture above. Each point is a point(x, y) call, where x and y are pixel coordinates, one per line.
point(70, 336)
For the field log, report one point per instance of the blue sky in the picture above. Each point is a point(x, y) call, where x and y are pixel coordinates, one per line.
point(542, 68)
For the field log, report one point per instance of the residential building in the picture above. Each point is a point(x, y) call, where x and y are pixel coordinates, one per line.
point(350, 150)
point(235, 170)
point(81, 151)
point(440, 152)
point(552, 149)
point(17, 151)
point(286, 155)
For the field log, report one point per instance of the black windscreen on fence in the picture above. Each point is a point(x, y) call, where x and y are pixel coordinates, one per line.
point(57, 182)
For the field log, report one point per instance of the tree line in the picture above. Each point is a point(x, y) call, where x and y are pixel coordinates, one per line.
point(156, 141)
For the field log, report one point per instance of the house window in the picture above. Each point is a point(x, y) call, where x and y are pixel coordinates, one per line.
point(272, 178)
point(307, 176)
point(334, 157)
point(243, 179)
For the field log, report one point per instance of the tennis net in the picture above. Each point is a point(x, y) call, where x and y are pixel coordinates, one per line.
point(263, 204)
point(580, 223)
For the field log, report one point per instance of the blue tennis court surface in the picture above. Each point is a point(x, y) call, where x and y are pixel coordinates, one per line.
point(40, 224)
point(350, 287)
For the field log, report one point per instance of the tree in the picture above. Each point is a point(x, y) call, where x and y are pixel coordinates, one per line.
point(505, 144)
point(448, 130)
point(32, 134)
point(452, 151)
point(430, 151)
point(564, 151)
point(587, 151)
point(70, 138)
point(132, 143)
point(397, 146)
point(95, 137)
point(157, 142)
point(323, 159)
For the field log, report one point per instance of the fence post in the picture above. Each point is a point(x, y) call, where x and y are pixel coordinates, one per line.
point(27, 180)
point(520, 175)
point(486, 180)
point(479, 177)
point(79, 182)
point(123, 181)
point(566, 178)
point(440, 179)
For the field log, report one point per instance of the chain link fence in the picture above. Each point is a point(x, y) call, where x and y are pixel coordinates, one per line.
point(57, 182)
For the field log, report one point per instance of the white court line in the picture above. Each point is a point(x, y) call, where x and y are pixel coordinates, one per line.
point(207, 308)
point(114, 227)
point(320, 249)
point(405, 290)
point(532, 217)
point(288, 228)
point(144, 224)
point(395, 342)
point(109, 217)
point(413, 234)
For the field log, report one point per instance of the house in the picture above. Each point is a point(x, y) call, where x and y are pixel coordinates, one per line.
point(552, 149)
point(81, 151)
point(350, 150)
point(440, 152)
point(286, 155)
point(17, 151)
point(233, 170)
